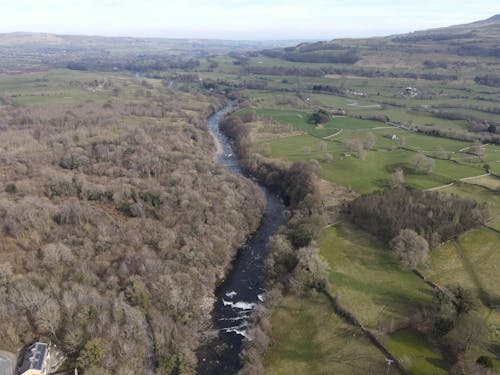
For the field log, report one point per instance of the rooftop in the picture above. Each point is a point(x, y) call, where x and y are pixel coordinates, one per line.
point(33, 357)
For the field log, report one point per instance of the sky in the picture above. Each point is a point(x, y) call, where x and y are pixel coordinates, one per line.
point(239, 19)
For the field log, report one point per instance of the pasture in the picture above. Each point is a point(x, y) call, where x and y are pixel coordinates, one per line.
point(309, 338)
point(365, 175)
point(373, 286)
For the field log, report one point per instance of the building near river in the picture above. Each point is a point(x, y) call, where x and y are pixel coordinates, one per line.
point(35, 360)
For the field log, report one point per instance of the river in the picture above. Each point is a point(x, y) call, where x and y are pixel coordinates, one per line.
point(243, 288)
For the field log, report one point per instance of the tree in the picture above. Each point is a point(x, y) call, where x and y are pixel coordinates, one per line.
point(438, 152)
point(476, 149)
point(401, 141)
point(428, 165)
point(249, 116)
point(369, 141)
point(48, 317)
point(312, 269)
point(282, 258)
point(418, 160)
point(328, 158)
point(397, 178)
point(320, 117)
point(355, 145)
point(469, 331)
point(322, 146)
point(92, 354)
point(410, 249)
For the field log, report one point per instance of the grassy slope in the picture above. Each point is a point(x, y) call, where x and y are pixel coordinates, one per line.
point(375, 288)
point(55, 86)
point(308, 338)
point(370, 282)
point(373, 172)
point(473, 262)
point(492, 198)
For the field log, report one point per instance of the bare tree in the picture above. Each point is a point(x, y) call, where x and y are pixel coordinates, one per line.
point(438, 152)
point(397, 178)
point(410, 249)
point(369, 141)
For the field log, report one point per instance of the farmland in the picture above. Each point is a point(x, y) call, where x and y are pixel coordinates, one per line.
point(111, 141)
point(309, 339)
point(396, 108)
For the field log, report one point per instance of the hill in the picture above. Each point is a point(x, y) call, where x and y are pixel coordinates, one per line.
point(477, 39)
point(24, 51)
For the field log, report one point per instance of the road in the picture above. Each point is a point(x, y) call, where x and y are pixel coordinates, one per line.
point(7, 363)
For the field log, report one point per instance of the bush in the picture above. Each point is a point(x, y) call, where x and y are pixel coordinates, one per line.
point(485, 361)
point(11, 188)
point(92, 354)
point(320, 117)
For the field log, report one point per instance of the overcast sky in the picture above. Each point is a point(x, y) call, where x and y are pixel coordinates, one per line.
point(239, 19)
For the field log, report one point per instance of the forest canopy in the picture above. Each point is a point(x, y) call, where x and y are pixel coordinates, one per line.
point(435, 216)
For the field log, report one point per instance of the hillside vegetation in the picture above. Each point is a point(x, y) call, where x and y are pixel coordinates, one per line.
point(388, 118)
point(115, 223)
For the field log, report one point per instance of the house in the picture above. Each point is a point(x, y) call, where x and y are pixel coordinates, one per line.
point(391, 136)
point(35, 360)
point(411, 91)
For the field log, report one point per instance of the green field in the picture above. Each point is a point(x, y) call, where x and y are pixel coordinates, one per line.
point(490, 182)
point(373, 172)
point(309, 338)
point(298, 119)
point(480, 194)
point(373, 286)
point(64, 86)
point(371, 283)
point(473, 262)
point(412, 349)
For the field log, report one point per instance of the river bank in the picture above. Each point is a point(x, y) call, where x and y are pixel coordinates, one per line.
point(243, 288)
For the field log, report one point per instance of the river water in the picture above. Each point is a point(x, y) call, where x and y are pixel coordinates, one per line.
point(242, 290)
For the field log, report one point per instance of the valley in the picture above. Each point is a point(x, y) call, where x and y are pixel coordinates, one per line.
point(341, 215)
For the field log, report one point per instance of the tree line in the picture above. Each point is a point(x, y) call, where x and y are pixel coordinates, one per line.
point(435, 216)
point(293, 264)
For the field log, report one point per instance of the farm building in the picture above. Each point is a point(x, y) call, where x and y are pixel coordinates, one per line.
point(391, 136)
point(35, 360)
point(411, 91)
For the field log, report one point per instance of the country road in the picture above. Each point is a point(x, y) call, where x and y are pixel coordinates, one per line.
point(7, 363)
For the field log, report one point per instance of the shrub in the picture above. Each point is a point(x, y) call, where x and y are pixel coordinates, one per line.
point(11, 188)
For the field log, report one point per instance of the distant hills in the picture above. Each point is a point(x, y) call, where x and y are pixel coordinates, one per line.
point(458, 46)
point(447, 44)
point(18, 39)
point(22, 52)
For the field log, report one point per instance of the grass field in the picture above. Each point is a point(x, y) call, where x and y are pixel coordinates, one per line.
point(374, 172)
point(412, 349)
point(378, 291)
point(298, 119)
point(64, 86)
point(490, 182)
point(308, 338)
point(371, 283)
point(480, 194)
point(369, 174)
point(473, 262)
